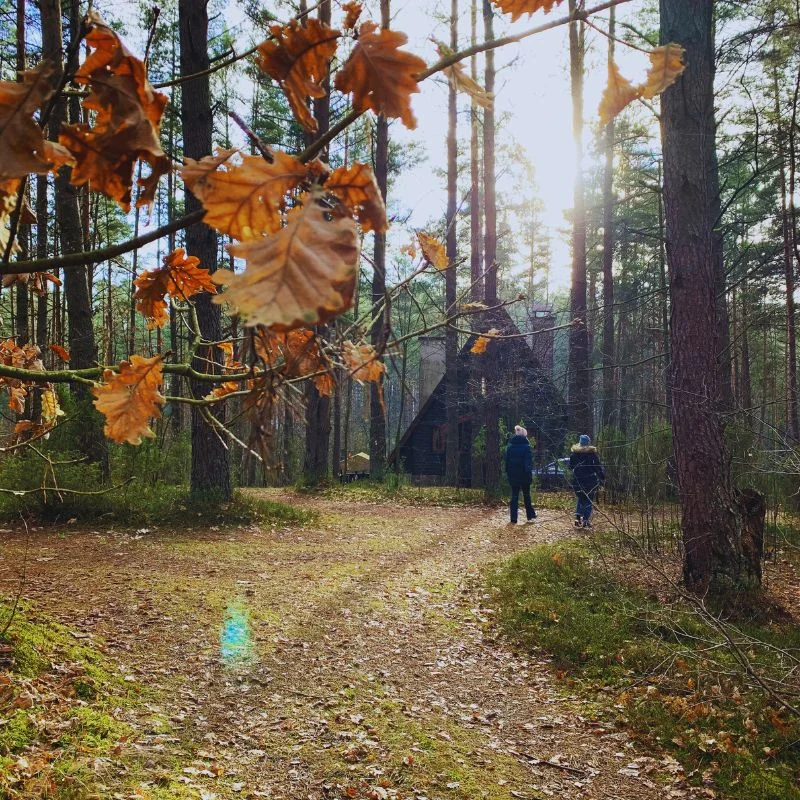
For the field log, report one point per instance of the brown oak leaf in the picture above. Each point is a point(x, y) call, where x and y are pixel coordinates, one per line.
point(380, 75)
point(298, 57)
point(433, 251)
point(462, 82)
point(352, 12)
point(357, 188)
point(666, 66)
point(519, 7)
point(130, 398)
point(301, 274)
point(126, 126)
point(482, 342)
point(180, 277)
point(363, 362)
point(618, 93)
point(243, 200)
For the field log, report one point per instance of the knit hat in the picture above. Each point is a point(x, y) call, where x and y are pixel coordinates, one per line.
point(584, 440)
point(520, 431)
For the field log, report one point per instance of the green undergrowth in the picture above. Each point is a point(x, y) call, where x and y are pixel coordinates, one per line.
point(60, 700)
point(671, 675)
point(399, 491)
point(137, 504)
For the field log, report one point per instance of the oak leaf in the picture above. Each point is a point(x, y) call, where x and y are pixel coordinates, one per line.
point(380, 75)
point(243, 200)
point(130, 398)
point(295, 354)
point(352, 12)
point(180, 277)
point(462, 82)
point(126, 126)
point(51, 409)
point(357, 188)
point(433, 251)
point(303, 274)
point(519, 7)
point(363, 362)
point(61, 352)
point(618, 93)
point(666, 66)
point(298, 57)
point(22, 141)
point(482, 342)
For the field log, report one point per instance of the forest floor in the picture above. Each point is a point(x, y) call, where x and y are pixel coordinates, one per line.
point(350, 658)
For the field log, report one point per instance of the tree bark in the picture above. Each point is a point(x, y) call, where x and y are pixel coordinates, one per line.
point(711, 520)
point(377, 410)
point(318, 406)
point(476, 238)
point(452, 389)
point(491, 406)
point(580, 399)
point(88, 430)
point(210, 477)
point(609, 384)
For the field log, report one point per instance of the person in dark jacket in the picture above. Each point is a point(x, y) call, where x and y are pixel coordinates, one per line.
point(519, 468)
point(587, 477)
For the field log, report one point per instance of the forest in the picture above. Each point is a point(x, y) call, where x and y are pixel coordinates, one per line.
point(281, 281)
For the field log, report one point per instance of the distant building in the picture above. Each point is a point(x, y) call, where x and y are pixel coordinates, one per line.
point(542, 323)
point(523, 390)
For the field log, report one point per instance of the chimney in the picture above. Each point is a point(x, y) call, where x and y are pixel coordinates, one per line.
point(431, 365)
point(541, 323)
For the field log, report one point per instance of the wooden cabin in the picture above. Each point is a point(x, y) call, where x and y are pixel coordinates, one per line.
point(509, 373)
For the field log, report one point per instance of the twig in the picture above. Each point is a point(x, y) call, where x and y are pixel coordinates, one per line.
point(538, 762)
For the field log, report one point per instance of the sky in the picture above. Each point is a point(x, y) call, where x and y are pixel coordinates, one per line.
point(533, 107)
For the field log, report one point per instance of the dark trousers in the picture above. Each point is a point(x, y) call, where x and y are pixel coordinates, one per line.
point(526, 494)
point(585, 504)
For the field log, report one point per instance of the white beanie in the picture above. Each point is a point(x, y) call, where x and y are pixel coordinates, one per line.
point(520, 431)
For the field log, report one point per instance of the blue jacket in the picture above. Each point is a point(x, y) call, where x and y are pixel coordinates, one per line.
point(519, 461)
point(587, 470)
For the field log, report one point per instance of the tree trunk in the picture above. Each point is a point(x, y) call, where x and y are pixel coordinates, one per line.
point(792, 424)
point(711, 520)
point(210, 479)
point(580, 400)
point(22, 289)
point(452, 389)
point(476, 239)
point(88, 429)
point(491, 415)
point(609, 389)
point(318, 407)
point(377, 410)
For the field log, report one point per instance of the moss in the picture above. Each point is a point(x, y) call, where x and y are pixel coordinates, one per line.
point(18, 732)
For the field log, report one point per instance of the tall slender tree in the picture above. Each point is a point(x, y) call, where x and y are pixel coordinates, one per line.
point(580, 389)
point(377, 409)
point(210, 476)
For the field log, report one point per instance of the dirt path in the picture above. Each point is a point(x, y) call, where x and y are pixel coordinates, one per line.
point(348, 659)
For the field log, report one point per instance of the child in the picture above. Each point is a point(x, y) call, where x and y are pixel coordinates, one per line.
point(519, 468)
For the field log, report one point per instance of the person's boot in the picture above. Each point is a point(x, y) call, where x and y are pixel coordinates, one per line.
point(578, 523)
point(587, 524)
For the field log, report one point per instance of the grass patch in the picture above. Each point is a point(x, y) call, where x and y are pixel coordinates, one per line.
point(678, 686)
point(400, 492)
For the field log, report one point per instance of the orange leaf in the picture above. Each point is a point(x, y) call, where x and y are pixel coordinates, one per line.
point(380, 75)
point(180, 277)
point(482, 342)
point(462, 82)
point(357, 188)
point(410, 250)
point(130, 398)
point(433, 251)
point(225, 389)
point(325, 384)
point(22, 141)
point(618, 93)
point(298, 58)
point(243, 200)
point(51, 410)
point(126, 127)
point(299, 275)
point(666, 66)
point(61, 352)
point(352, 12)
point(363, 362)
point(519, 7)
